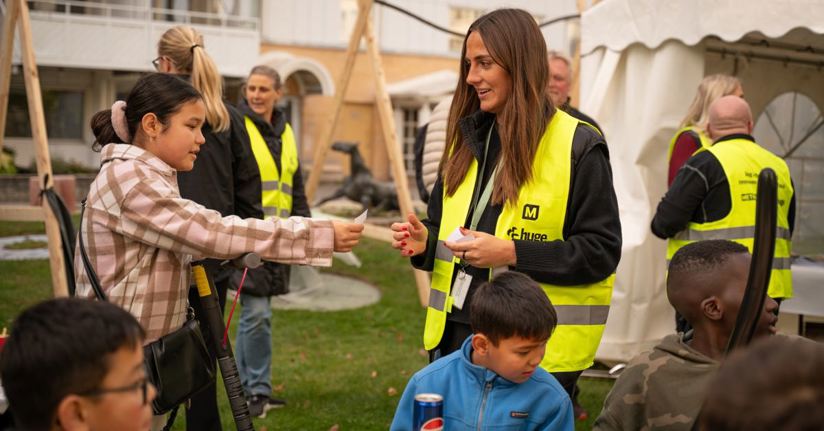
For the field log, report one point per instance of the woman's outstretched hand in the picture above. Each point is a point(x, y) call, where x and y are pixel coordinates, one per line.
point(347, 235)
point(409, 237)
point(484, 251)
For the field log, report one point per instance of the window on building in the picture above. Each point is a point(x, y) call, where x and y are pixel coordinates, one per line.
point(792, 127)
point(460, 18)
point(63, 110)
point(409, 129)
point(233, 13)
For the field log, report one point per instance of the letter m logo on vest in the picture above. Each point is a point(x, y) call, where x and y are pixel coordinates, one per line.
point(530, 212)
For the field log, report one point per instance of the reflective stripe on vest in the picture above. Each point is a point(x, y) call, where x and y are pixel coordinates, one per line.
point(705, 141)
point(538, 215)
point(742, 161)
point(731, 233)
point(276, 188)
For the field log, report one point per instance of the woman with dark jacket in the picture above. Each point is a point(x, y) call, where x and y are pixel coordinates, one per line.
point(521, 186)
point(276, 154)
point(225, 177)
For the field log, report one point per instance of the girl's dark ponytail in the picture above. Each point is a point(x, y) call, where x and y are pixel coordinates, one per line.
point(103, 130)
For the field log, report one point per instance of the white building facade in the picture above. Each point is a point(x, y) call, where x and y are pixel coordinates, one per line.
point(91, 53)
point(420, 62)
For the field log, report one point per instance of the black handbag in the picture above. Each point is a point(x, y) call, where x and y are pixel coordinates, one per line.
point(177, 364)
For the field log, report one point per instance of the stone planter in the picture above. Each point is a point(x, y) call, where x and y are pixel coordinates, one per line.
point(24, 189)
point(64, 185)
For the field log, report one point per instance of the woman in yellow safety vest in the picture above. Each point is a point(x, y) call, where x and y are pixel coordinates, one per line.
point(276, 154)
point(692, 134)
point(528, 187)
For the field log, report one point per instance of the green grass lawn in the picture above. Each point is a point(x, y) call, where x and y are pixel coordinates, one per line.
point(23, 228)
point(345, 368)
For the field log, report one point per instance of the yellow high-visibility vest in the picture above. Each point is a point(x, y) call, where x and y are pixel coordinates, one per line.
point(276, 187)
point(705, 140)
point(538, 215)
point(742, 161)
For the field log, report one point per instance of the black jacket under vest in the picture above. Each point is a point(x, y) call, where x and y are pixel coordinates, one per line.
point(273, 278)
point(592, 230)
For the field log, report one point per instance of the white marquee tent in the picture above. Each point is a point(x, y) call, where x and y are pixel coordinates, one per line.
point(641, 63)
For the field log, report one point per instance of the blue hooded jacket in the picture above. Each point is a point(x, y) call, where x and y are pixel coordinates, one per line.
point(476, 398)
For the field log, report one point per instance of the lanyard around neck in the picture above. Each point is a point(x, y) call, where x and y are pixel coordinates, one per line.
point(480, 202)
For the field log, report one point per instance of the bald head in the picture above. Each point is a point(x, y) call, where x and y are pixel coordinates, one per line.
point(729, 115)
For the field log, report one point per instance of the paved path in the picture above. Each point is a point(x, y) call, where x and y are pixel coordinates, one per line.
point(309, 289)
point(29, 254)
point(334, 292)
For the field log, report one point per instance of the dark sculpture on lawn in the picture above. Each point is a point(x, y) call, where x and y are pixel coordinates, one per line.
point(360, 186)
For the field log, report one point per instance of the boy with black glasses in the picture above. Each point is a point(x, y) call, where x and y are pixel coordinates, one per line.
point(72, 364)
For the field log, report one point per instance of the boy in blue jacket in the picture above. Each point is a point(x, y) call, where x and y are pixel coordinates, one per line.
point(493, 381)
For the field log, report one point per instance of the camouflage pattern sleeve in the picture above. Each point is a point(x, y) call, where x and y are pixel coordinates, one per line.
point(624, 407)
point(661, 389)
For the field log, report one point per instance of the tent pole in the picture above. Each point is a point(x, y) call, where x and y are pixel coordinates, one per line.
point(393, 148)
point(575, 85)
point(322, 145)
point(39, 136)
point(6, 52)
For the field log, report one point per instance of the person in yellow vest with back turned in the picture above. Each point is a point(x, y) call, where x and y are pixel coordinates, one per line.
point(713, 196)
point(531, 185)
point(276, 153)
point(692, 135)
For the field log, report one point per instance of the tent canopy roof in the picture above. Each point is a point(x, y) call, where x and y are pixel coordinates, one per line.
point(617, 24)
point(434, 84)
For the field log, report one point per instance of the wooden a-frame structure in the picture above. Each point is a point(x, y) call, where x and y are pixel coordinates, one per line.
point(364, 29)
point(17, 17)
point(18, 13)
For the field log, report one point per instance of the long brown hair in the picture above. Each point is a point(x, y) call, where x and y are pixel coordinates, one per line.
point(184, 46)
point(514, 42)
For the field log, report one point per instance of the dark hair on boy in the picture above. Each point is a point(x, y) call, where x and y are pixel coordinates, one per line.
point(512, 304)
point(156, 93)
point(61, 347)
point(775, 384)
point(702, 256)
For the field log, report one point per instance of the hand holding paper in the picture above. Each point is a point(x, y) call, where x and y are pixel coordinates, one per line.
point(481, 249)
point(347, 235)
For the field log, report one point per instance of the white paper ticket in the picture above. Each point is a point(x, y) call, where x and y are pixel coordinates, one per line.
point(361, 218)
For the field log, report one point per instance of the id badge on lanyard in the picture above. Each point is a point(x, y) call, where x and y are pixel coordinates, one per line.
point(460, 287)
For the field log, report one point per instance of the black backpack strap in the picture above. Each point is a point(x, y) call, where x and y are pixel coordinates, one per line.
point(64, 222)
point(93, 280)
point(171, 421)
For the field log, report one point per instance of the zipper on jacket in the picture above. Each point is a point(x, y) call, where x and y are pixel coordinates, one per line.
point(487, 388)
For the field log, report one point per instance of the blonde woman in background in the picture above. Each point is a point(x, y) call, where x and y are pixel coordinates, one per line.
point(225, 177)
point(692, 135)
point(276, 153)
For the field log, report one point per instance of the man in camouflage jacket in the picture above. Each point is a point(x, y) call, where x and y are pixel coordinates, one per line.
point(664, 389)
